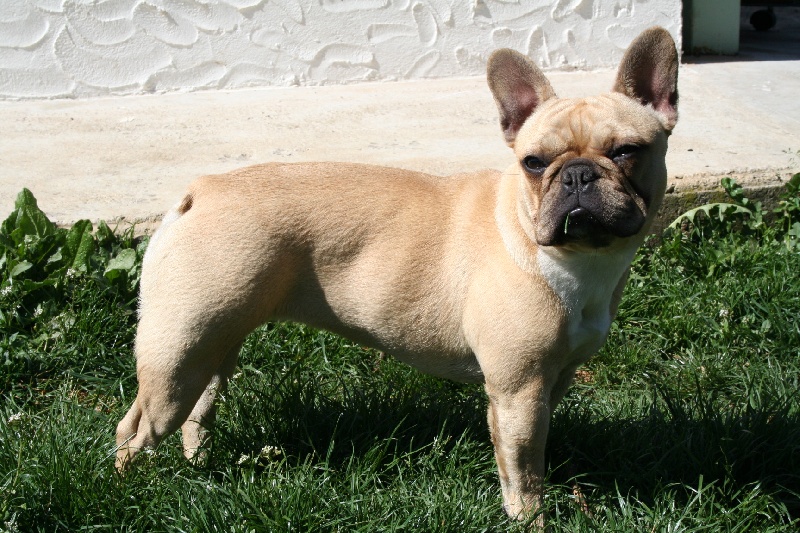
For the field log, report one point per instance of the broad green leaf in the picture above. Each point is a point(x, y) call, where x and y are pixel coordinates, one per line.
point(25, 198)
point(725, 209)
point(20, 268)
point(6, 240)
point(55, 258)
point(29, 286)
point(79, 246)
point(105, 235)
point(125, 260)
point(793, 185)
point(30, 220)
point(38, 250)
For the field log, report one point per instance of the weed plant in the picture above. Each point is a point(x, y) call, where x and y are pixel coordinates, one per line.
point(687, 420)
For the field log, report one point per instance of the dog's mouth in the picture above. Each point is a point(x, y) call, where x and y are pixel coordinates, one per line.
point(579, 225)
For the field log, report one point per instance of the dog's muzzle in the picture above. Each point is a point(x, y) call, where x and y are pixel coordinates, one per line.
point(582, 208)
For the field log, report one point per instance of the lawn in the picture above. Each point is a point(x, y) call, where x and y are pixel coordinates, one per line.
point(687, 420)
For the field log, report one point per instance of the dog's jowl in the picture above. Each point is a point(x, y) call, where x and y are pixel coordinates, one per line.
point(509, 279)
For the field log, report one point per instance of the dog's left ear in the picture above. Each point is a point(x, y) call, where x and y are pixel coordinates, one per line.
point(649, 73)
point(518, 87)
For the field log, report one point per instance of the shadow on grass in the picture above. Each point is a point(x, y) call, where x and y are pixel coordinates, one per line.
point(676, 440)
point(681, 441)
point(333, 417)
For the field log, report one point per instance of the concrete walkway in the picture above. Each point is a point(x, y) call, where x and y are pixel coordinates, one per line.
point(132, 157)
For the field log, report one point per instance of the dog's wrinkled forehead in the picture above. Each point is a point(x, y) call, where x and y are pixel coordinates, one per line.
point(586, 125)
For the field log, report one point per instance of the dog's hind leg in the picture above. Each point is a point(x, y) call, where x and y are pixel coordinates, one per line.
point(175, 370)
point(126, 431)
point(195, 430)
point(162, 404)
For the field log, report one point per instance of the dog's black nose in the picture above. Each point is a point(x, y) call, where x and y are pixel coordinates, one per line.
point(577, 174)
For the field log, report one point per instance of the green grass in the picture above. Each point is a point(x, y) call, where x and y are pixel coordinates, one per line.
point(687, 420)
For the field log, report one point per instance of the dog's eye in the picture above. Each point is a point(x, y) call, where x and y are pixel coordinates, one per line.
point(623, 152)
point(534, 164)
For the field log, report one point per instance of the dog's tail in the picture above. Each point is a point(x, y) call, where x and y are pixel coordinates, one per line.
point(172, 216)
point(186, 204)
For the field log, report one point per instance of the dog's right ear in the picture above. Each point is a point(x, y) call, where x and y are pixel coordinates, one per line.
point(518, 86)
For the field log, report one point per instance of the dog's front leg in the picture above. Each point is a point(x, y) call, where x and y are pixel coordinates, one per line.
point(519, 421)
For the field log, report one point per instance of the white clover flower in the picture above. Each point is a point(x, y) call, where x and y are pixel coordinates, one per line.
point(269, 452)
point(16, 417)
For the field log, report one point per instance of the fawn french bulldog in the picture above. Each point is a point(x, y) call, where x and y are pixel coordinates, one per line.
point(509, 279)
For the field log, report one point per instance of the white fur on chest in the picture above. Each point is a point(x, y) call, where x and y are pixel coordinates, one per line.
point(585, 284)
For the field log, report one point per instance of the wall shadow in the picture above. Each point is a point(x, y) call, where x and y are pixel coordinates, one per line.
point(781, 43)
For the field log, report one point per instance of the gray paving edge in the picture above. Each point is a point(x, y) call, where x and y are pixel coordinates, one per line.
point(685, 193)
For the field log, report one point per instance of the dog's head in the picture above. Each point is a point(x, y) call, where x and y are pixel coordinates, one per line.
point(592, 168)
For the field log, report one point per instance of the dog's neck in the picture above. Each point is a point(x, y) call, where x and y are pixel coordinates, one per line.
point(584, 283)
point(511, 216)
point(572, 274)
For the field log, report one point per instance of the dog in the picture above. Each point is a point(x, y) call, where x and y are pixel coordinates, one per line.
point(508, 279)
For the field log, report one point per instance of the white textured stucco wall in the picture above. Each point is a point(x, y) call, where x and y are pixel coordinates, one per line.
point(77, 48)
